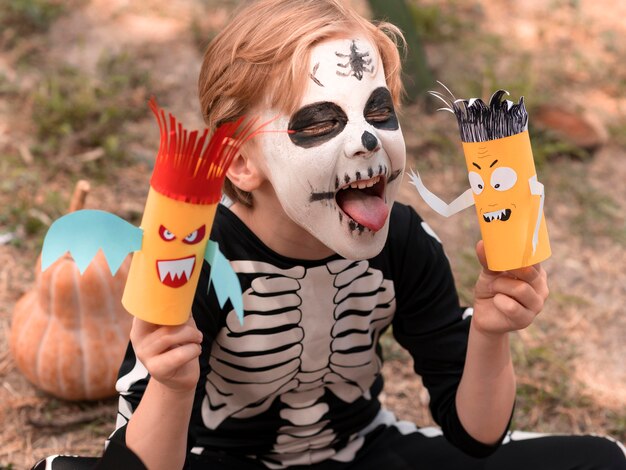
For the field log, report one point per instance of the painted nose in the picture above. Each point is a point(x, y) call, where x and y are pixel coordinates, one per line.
point(369, 141)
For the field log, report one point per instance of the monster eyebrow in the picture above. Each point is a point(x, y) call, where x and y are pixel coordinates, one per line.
point(494, 162)
point(476, 165)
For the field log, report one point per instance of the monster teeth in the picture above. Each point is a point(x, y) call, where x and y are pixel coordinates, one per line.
point(495, 214)
point(176, 268)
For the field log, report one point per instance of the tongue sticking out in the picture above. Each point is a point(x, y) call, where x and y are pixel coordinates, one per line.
point(364, 208)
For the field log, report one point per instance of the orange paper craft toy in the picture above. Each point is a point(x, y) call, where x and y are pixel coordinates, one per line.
point(173, 240)
point(503, 181)
point(185, 189)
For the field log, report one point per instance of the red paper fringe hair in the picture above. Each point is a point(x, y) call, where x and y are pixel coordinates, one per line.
point(190, 169)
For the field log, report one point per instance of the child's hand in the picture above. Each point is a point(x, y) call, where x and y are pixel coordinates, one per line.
point(170, 353)
point(510, 300)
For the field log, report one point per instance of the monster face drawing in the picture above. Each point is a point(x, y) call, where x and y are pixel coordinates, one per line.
point(172, 246)
point(173, 240)
point(503, 182)
point(501, 175)
point(175, 236)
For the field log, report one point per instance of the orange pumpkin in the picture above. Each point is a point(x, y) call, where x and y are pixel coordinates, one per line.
point(70, 332)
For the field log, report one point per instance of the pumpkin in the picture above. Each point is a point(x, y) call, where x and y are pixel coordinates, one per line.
point(69, 333)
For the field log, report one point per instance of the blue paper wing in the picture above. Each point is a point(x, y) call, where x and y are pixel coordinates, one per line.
point(224, 279)
point(84, 232)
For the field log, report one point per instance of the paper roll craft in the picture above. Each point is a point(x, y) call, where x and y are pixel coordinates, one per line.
point(503, 182)
point(173, 240)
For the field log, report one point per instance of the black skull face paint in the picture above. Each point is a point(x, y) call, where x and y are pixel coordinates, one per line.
point(316, 123)
point(379, 110)
point(358, 62)
point(376, 174)
point(338, 170)
point(394, 176)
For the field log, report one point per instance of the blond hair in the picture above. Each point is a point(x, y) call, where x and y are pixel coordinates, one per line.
point(263, 55)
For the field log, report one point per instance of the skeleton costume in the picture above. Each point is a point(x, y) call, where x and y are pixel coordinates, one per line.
point(297, 384)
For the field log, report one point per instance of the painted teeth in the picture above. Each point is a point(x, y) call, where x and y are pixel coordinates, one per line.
point(495, 215)
point(176, 268)
point(365, 184)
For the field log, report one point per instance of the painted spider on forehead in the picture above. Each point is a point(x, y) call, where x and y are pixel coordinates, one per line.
point(357, 61)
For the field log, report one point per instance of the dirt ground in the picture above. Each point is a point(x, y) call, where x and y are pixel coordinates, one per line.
point(567, 55)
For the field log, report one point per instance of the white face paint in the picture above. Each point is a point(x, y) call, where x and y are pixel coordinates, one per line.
point(337, 173)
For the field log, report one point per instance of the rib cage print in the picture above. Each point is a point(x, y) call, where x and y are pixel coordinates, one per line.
point(305, 331)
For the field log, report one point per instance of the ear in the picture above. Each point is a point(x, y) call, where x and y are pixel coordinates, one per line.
point(244, 171)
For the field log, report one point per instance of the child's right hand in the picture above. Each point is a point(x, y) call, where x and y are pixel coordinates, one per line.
point(170, 353)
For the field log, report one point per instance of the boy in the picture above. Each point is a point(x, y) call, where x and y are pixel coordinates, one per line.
point(327, 262)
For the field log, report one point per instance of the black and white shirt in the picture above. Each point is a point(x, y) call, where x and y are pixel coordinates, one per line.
point(298, 381)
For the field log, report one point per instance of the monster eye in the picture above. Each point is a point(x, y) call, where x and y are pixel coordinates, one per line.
point(195, 237)
point(166, 234)
point(476, 182)
point(503, 178)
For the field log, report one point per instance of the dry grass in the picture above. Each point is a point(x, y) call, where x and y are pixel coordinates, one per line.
point(570, 363)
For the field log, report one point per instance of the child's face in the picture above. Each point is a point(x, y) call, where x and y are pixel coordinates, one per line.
point(337, 171)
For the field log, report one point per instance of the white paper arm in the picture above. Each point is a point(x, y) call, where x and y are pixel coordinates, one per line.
point(464, 201)
point(537, 189)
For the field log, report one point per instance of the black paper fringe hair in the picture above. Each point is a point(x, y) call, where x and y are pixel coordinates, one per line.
point(479, 122)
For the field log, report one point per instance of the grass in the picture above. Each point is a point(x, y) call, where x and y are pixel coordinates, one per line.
point(80, 123)
point(549, 399)
point(30, 213)
point(74, 113)
point(546, 394)
point(548, 146)
point(201, 35)
point(595, 214)
point(617, 130)
point(436, 23)
point(19, 18)
point(7, 87)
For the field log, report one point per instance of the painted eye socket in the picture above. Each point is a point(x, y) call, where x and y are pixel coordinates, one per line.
point(503, 178)
point(166, 234)
point(196, 236)
point(379, 116)
point(476, 182)
point(319, 129)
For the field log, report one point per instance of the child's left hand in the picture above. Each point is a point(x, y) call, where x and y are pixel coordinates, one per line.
point(509, 300)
